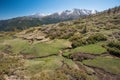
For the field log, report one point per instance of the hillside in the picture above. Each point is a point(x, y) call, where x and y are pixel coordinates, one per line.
point(21, 23)
point(84, 49)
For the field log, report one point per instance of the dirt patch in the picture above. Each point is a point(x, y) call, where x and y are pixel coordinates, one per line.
point(81, 56)
point(34, 57)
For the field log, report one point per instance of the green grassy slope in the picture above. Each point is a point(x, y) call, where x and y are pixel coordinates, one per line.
point(108, 64)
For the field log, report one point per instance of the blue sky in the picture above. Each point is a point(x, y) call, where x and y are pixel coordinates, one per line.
point(15, 8)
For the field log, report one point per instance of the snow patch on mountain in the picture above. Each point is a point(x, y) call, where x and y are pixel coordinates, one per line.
point(74, 14)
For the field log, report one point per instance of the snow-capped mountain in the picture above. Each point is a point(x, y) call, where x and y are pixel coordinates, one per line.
point(67, 14)
point(78, 12)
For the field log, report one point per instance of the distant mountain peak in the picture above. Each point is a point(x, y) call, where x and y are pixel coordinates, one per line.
point(38, 15)
point(41, 14)
point(94, 11)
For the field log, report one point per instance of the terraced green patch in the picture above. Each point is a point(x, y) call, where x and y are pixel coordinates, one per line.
point(59, 73)
point(38, 65)
point(2, 39)
point(92, 49)
point(48, 63)
point(15, 45)
point(108, 64)
point(41, 49)
point(37, 48)
point(48, 48)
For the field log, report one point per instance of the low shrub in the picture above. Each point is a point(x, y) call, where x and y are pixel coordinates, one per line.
point(76, 22)
point(96, 38)
point(113, 48)
point(8, 64)
point(61, 24)
point(77, 40)
point(114, 44)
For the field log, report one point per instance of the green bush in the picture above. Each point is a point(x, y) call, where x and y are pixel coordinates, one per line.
point(76, 36)
point(96, 38)
point(114, 51)
point(114, 44)
point(76, 22)
point(61, 24)
point(77, 40)
point(113, 48)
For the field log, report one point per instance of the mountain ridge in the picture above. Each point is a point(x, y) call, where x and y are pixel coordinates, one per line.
point(25, 22)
